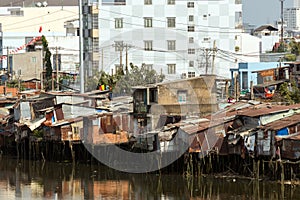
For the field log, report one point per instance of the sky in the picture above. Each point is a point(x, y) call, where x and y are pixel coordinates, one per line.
point(259, 12)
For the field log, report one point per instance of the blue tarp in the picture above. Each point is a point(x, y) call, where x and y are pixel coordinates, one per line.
point(283, 131)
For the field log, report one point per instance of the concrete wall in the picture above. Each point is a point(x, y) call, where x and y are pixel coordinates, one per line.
point(200, 96)
point(27, 65)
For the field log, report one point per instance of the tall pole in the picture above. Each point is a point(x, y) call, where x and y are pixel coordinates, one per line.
point(81, 73)
point(42, 74)
point(8, 64)
point(213, 58)
point(281, 21)
point(206, 61)
point(126, 65)
point(57, 86)
point(121, 51)
point(102, 61)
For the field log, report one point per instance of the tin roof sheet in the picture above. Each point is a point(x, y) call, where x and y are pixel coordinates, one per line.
point(282, 123)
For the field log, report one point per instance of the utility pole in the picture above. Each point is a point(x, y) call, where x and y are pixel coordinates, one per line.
point(52, 82)
point(126, 65)
point(42, 74)
point(8, 64)
point(81, 73)
point(213, 58)
point(102, 61)
point(282, 43)
point(206, 61)
point(121, 51)
point(57, 67)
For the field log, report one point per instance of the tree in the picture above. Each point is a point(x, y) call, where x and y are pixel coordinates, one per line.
point(121, 83)
point(294, 47)
point(290, 92)
point(47, 63)
point(136, 76)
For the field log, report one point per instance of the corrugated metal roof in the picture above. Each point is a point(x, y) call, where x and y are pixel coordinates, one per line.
point(285, 122)
point(265, 109)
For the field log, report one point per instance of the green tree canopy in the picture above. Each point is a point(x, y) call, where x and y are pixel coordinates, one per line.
point(47, 63)
point(136, 76)
point(290, 92)
point(121, 83)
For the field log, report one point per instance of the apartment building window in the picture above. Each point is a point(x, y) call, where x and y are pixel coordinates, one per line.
point(148, 45)
point(95, 64)
point(111, 2)
point(182, 94)
point(148, 22)
point(147, 2)
point(191, 39)
point(95, 21)
point(190, 4)
point(118, 22)
point(191, 18)
point(191, 28)
point(96, 44)
point(191, 63)
point(206, 39)
point(16, 12)
point(119, 45)
point(171, 22)
point(191, 51)
point(171, 2)
point(33, 59)
point(191, 74)
point(171, 68)
point(171, 45)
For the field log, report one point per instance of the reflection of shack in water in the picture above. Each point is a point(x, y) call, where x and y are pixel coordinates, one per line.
point(33, 180)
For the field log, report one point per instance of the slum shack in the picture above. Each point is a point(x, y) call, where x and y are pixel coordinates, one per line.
point(282, 133)
point(106, 129)
point(192, 96)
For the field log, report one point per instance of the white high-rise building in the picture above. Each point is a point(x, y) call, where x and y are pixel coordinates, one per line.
point(292, 19)
point(296, 4)
point(178, 38)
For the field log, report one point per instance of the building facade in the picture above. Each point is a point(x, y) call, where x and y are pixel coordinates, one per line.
point(292, 19)
point(177, 38)
point(58, 24)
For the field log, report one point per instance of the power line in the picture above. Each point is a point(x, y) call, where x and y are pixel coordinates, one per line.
point(155, 19)
point(176, 29)
point(38, 23)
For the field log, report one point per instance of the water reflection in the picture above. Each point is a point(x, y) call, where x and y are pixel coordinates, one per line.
point(38, 180)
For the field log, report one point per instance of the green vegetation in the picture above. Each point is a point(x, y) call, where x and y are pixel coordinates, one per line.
point(47, 63)
point(290, 57)
point(122, 83)
point(290, 92)
point(136, 76)
point(38, 133)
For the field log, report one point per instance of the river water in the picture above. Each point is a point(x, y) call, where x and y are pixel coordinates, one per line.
point(49, 180)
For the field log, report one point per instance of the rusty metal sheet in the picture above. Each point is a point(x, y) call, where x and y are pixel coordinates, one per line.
point(283, 123)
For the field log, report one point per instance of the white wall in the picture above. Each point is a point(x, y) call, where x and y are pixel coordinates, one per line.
point(268, 42)
point(219, 26)
point(51, 19)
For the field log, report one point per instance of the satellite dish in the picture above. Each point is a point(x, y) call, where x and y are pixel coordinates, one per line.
point(45, 4)
point(38, 4)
